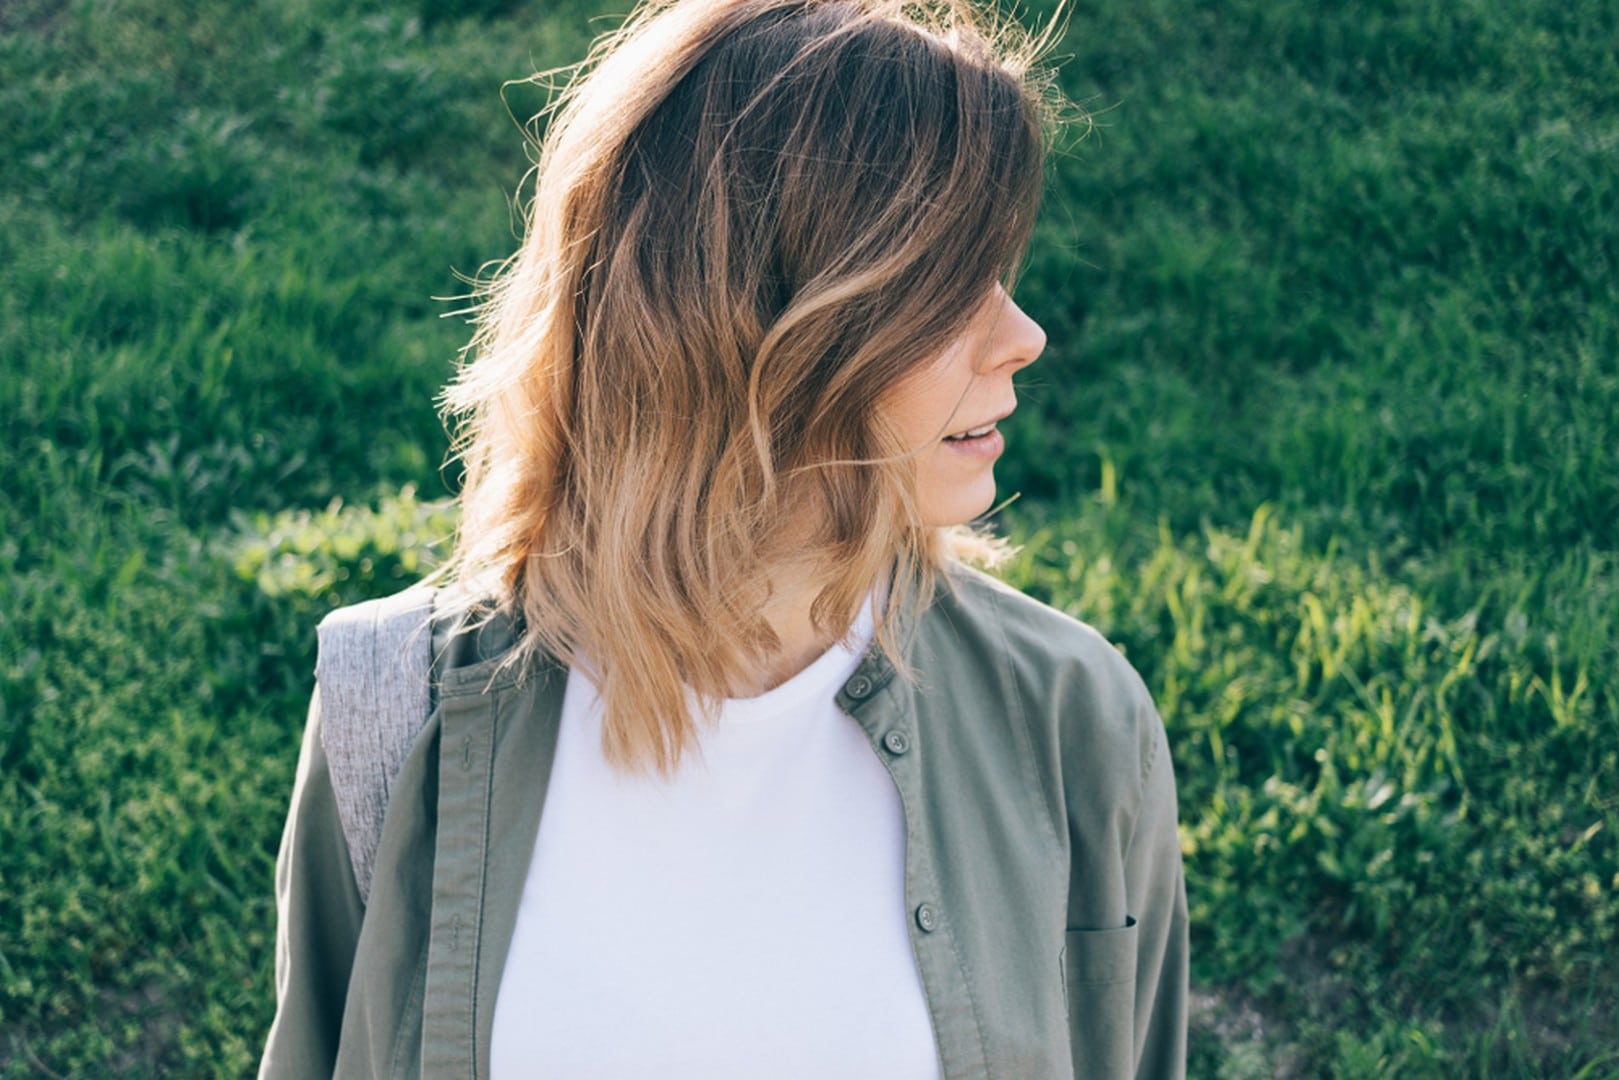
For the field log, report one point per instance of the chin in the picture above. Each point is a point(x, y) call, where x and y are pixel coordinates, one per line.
point(960, 506)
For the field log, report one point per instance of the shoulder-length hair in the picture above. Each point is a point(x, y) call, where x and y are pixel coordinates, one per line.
point(750, 219)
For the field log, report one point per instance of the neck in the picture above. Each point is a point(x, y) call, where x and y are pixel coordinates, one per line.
point(798, 643)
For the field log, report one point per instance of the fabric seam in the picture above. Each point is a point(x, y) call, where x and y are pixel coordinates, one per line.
point(483, 875)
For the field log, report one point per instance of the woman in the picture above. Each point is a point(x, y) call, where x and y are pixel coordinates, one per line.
point(733, 768)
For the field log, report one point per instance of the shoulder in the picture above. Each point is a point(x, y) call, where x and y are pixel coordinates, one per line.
point(1078, 695)
point(455, 628)
point(347, 633)
point(365, 643)
point(1041, 643)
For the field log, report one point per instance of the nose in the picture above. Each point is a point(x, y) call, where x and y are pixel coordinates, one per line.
point(1017, 340)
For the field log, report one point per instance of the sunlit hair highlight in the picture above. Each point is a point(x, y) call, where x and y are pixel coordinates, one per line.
point(750, 219)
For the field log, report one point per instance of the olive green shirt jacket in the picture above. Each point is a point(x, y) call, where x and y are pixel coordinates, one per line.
point(1043, 884)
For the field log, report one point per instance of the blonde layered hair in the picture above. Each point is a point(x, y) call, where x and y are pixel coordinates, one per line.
point(751, 219)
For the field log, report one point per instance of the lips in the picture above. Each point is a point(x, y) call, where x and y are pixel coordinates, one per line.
point(979, 431)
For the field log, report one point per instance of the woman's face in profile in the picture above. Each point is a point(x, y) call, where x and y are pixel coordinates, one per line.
point(947, 409)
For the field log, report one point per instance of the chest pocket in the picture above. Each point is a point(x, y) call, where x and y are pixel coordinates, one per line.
point(1099, 983)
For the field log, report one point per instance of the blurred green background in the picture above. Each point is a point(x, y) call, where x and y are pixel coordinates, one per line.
point(1324, 439)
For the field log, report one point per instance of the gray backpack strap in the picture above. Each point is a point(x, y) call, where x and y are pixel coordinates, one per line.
point(373, 671)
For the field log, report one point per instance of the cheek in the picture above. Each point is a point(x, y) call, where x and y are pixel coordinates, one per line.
point(922, 415)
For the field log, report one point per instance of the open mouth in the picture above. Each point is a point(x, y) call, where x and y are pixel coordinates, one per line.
point(975, 433)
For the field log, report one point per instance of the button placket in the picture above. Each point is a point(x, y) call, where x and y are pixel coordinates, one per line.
point(889, 720)
point(449, 1036)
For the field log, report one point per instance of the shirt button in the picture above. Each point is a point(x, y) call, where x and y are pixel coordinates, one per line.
point(927, 918)
point(896, 742)
point(859, 687)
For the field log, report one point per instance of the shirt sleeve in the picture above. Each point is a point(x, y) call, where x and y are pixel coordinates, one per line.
point(1156, 888)
point(1126, 955)
point(318, 914)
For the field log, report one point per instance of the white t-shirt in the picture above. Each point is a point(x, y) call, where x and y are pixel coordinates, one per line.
point(744, 918)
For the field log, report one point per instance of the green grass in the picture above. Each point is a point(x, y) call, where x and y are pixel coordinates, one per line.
point(1323, 440)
